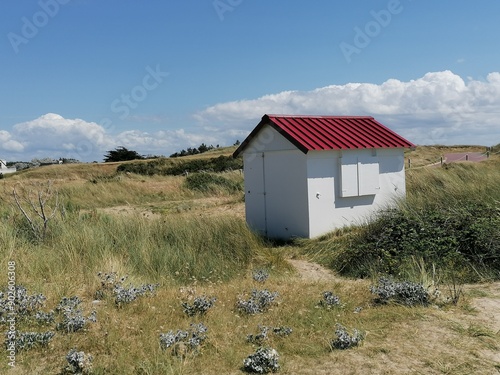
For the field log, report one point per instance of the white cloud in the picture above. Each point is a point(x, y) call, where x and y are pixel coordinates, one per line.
point(8, 144)
point(52, 135)
point(439, 107)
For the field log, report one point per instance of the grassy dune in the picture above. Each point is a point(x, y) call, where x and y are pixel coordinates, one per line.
point(196, 243)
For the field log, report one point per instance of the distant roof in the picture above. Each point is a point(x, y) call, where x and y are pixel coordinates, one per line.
point(309, 133)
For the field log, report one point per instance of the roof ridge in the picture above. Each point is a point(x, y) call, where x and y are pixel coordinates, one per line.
point(317, 116)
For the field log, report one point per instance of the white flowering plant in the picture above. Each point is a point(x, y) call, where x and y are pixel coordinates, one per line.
point(344, 340)
point(260, 275)
point(112, 284)
point(406, 292)
point(329, 300)
point(259, 301)
point(200, 305)
point(78, 362)
point(263, 361)
point(73, 319)
point(28, 340)
point(190, 340)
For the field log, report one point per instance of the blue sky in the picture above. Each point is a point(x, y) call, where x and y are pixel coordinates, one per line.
point(80, 77)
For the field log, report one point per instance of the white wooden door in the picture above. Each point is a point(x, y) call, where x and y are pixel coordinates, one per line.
point(255, 194)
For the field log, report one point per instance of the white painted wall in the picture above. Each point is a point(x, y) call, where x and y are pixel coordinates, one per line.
point(275, 186)
point(4, 169)
point(289, 193)
point(328, 210)
point(322, 178)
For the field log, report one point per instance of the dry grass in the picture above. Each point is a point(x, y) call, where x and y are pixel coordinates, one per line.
point(426, 155)
point(462, 339)
point(399, 340)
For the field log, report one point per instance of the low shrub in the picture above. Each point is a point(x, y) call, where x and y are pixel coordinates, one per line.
point(344, 340)
point(260, 275)
point(163, 166)
point(127, 295)
point(73, 319)
point(200, 305)
point(263, 361)
point(24, 304)
point(28, 340)
point(259, 301)
point(112, 284)
point(467, 235)
point(184, 342)
point(78, 362)
point(406, 293)
point(329, 300)
point(44, 318)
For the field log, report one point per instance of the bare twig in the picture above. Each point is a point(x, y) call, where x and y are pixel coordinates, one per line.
point(36, 204)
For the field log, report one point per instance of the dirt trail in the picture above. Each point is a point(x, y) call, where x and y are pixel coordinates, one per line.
point(309, 271)
point(488, 308)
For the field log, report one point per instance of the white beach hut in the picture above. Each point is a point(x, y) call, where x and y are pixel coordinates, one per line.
point(307, 175)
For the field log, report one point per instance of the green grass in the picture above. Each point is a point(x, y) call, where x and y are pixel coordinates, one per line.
point(212, 183)
point(449, 221)
point(206, 252)
point(180, 166)
point(165, 250)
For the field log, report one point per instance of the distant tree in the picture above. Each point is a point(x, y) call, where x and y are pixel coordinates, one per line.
point(203, 148)
point(121, 154)
point(69, 161)
point(193, 151)
point(237, 143)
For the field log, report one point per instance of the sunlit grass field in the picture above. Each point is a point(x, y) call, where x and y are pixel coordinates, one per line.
point(156, 230)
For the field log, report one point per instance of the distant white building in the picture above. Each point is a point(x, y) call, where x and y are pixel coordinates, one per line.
point(308, 175)
point(4, 169)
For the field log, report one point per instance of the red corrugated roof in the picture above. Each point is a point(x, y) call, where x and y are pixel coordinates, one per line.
point(309, 133)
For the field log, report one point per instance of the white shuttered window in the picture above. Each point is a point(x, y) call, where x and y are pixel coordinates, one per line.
point(359, 175)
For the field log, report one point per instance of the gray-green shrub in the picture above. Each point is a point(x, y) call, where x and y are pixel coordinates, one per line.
point(344, 340)
point(406, 292)
point(263, 361)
